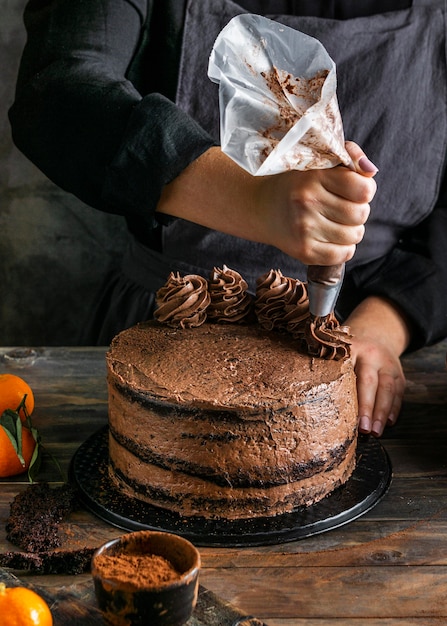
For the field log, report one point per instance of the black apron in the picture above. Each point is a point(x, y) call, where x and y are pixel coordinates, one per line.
point(387, 67)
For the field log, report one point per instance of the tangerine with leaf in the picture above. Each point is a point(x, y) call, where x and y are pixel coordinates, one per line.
point(15, 454)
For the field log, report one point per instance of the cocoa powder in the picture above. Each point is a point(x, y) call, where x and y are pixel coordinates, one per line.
point(140, 570)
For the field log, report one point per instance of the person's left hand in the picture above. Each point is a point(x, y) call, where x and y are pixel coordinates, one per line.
point(380, 335)
point(380, 385)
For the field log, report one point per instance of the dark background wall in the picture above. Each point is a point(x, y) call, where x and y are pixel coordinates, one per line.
point(54, 250)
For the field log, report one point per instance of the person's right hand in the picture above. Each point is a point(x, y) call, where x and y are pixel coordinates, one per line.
point(318, 216)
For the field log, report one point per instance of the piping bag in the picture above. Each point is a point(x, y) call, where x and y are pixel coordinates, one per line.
point(279, 112)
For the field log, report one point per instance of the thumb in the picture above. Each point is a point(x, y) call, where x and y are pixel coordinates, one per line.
point(361, 162)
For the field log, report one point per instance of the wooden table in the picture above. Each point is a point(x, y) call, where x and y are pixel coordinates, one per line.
point(387, 567)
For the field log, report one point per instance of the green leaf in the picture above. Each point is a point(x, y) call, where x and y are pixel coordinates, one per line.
point(36, 435)
point(9, 420)
point(35, 463)
point(12, 425)
point(56, 463)
point(12, 439)
point(19, 440)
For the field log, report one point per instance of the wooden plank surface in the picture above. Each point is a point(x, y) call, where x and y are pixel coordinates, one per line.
point(387, 567)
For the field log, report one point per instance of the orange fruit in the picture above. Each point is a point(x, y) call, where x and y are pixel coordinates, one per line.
point(20, 606)
point(12, 390)
point(10, 464)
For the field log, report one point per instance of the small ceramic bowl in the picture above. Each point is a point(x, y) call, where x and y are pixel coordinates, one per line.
point(146, 577)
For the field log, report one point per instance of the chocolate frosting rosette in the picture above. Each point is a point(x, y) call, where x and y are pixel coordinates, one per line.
point(280, 301)
point(327, 339)
point(182, 302)
point(229, 298)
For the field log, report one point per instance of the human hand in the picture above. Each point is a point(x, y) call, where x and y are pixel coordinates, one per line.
point(318, 216)
point(380, 385)
point(380, 335)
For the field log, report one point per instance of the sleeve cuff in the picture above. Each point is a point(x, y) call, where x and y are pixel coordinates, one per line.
point(160, 142)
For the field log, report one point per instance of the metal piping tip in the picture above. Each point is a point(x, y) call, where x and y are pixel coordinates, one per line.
point(323, 285)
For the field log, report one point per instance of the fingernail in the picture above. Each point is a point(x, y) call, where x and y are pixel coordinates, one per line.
point(367, 166)
point(391, 419)
point(377, 428)
point(364, 424)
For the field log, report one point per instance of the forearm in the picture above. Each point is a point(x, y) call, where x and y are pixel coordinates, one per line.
point(215, 192)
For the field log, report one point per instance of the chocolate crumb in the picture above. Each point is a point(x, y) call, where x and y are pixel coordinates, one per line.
point(35, 515)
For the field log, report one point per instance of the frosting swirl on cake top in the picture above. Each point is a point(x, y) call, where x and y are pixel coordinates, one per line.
point(327, 339)
point(229, 298)
point(281, 302)
point(182, 301)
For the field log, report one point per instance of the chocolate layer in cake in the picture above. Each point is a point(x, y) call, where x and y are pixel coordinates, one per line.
point(227, 421)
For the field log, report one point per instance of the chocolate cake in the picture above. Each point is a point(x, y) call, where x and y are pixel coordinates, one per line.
point(230, 420)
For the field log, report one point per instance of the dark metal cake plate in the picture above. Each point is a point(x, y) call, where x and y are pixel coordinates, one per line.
point(367, 485)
